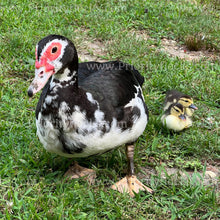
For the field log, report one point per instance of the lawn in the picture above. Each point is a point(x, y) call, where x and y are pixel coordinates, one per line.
point(32, 185)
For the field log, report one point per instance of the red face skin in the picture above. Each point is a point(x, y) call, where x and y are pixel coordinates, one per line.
point(44, 69)
point(52, 52)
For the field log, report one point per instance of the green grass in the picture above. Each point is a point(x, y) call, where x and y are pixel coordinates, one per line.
point(31, 180)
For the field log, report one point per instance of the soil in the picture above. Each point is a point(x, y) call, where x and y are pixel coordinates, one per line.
point(176, 50)
point(91, 49)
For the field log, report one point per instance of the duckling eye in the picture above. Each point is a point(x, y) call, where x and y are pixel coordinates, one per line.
point(54, 50)
point(186, 101)
point(177, 110)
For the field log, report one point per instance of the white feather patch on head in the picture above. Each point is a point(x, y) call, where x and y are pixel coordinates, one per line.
point(56, 63)
point(64, 43)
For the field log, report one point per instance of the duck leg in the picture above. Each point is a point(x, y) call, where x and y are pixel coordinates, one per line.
point(76, 171)
point(130, 183)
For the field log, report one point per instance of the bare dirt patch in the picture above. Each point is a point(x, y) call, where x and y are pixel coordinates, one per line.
point(142, 35)
point(174, 49)
point(89, 49)
point(92, 50)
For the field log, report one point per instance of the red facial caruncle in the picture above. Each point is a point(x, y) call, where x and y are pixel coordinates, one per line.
point(44, 66)
point(52, 53)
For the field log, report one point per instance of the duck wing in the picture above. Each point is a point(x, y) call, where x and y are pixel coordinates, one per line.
point(113, 90)
point(87, 68)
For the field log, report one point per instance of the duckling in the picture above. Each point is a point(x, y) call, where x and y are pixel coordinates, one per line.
point(175, 119)
point(174, 96)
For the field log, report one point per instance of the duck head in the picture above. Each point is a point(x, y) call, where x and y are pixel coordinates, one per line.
point(55, 56)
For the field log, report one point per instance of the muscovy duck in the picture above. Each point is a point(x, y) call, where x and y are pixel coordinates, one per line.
point(88, 108)
point(174, 96)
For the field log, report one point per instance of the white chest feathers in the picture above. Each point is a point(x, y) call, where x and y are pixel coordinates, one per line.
point(83, 137)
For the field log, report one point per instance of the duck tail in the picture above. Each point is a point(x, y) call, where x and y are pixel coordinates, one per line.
point(138, 76)
point(132, 69)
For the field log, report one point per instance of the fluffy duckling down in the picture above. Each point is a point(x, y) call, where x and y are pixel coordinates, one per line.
point(174, 118)
point(174, 96)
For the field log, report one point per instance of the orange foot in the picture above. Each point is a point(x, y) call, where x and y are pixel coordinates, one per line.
point(130, 184)
point(76, 171)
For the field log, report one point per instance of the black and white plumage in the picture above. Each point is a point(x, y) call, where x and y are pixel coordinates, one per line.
point(85, 109)
point(174, 96)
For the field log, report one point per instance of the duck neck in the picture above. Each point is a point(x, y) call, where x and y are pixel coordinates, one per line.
point(65, 77)
point(68, 74)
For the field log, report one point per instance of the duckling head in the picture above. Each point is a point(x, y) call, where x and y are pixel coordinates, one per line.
point(175, 118)
point(187, 102)
point(177, 110)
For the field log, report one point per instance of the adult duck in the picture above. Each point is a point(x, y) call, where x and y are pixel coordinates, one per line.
point(87, 109)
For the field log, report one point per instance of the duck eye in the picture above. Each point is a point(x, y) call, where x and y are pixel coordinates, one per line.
point(186, 100)
point(54, 50)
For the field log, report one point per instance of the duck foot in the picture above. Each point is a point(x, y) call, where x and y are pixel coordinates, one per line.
point(130, 184)
point(76, 171)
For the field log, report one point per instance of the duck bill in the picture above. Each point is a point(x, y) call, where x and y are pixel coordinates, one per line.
point(183, 117)
point(41, 78)
point(193, 107)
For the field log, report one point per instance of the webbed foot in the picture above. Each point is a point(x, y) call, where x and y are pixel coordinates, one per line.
point(130, 184)
point(76, 171)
